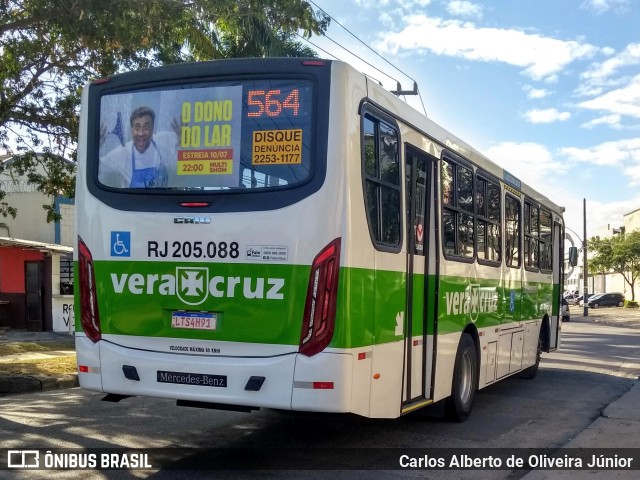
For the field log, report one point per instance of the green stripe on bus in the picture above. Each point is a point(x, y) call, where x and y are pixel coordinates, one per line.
point(257, 303)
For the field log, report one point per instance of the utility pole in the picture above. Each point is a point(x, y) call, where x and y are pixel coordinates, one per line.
point(584, 260)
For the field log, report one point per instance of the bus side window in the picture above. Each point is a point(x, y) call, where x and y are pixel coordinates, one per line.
point(381, 169)
point(531, 233)
point(488, 220)
point(457, 210)
point(546, 250)
point(512, 231)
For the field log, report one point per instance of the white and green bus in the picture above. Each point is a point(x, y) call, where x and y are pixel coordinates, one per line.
point(285, 233)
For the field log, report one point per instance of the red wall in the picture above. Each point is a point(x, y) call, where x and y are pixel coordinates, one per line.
point(12, 268)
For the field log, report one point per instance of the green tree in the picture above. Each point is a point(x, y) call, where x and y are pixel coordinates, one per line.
point(50, 48)
point(620, 254)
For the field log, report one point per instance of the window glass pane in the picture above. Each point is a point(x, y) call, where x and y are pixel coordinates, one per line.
point(531, 252)
point(447, 183)
point(545, 256)
point(493, 243)
point(389, 170)
point(465, 188)
point(548, 262)
point(372, 209)
point(448, 227)
point(418, 223)
point(66, 275)
point(481, 185)
point(390, 205)
point(545, 226)
point(534, 253)
point(481, 239)
point(512, 231)
point(465, 235)
point(493, 202)
point(527, 218)
point(534, 221)
point(369, 146)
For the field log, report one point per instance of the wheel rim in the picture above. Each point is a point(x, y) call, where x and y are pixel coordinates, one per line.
point(466, 374)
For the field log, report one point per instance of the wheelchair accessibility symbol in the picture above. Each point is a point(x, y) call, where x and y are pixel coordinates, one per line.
point(120, 244)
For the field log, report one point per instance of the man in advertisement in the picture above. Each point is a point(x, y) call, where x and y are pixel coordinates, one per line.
point(146, 160)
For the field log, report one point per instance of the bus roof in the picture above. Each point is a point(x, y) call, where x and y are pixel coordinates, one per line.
point(419, 121)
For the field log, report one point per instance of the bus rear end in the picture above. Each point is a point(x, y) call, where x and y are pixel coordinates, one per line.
point(208, 247)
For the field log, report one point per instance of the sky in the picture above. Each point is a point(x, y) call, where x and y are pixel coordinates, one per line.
point(547, 89)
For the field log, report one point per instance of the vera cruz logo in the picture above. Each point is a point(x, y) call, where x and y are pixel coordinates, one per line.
point(192, 284)
point(472, 302)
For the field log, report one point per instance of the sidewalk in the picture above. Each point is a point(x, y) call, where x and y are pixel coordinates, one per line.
point(19, 383)
point(618, 426)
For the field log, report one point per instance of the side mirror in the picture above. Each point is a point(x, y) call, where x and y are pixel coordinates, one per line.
point(573, 256)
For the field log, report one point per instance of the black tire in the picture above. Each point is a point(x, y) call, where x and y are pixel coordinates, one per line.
point(595, 305)
point(621, 304)
point(532, 372)
point(465, 381)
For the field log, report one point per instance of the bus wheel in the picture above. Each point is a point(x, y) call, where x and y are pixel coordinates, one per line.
point(465, 380)
point(532, 371)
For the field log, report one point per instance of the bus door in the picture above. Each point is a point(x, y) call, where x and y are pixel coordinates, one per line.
point(417, 371)
point(558, 267)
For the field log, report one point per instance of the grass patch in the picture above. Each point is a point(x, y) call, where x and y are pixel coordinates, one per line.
point(12, 348)
point(48, 366)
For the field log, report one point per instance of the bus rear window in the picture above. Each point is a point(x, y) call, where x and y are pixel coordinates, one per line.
point(216, 136)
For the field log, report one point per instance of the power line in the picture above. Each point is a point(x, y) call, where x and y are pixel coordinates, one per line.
point(363, 43)
point(332, 55)
point(358, 57)
point(399, 90)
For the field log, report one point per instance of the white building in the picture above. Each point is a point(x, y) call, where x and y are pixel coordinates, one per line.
point(610, 282)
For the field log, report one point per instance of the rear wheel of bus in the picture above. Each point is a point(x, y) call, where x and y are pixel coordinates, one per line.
point(465, 380)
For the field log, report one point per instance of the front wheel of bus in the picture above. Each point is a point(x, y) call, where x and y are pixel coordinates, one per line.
point(465, 380)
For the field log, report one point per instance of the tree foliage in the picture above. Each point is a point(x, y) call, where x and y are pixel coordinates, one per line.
point(50, 48)
point(620, 253)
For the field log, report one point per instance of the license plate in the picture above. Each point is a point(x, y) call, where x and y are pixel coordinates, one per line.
point(194, 320)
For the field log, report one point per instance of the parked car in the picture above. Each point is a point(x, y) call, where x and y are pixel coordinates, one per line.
point(565, 310)
point(572, 298)
point(580, 301)
point(606, 300)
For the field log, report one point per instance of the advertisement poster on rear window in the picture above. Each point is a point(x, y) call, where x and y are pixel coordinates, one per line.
point(171, 139)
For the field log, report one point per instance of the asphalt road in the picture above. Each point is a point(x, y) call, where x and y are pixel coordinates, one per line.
point(598, 363)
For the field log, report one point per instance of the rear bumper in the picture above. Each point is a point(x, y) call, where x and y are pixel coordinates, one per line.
point(291, 381)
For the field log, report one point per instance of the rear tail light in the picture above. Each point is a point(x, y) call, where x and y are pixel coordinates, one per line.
point(320, 307)
point(89, 317)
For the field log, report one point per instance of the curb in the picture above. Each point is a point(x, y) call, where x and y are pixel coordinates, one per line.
point(35, 383)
